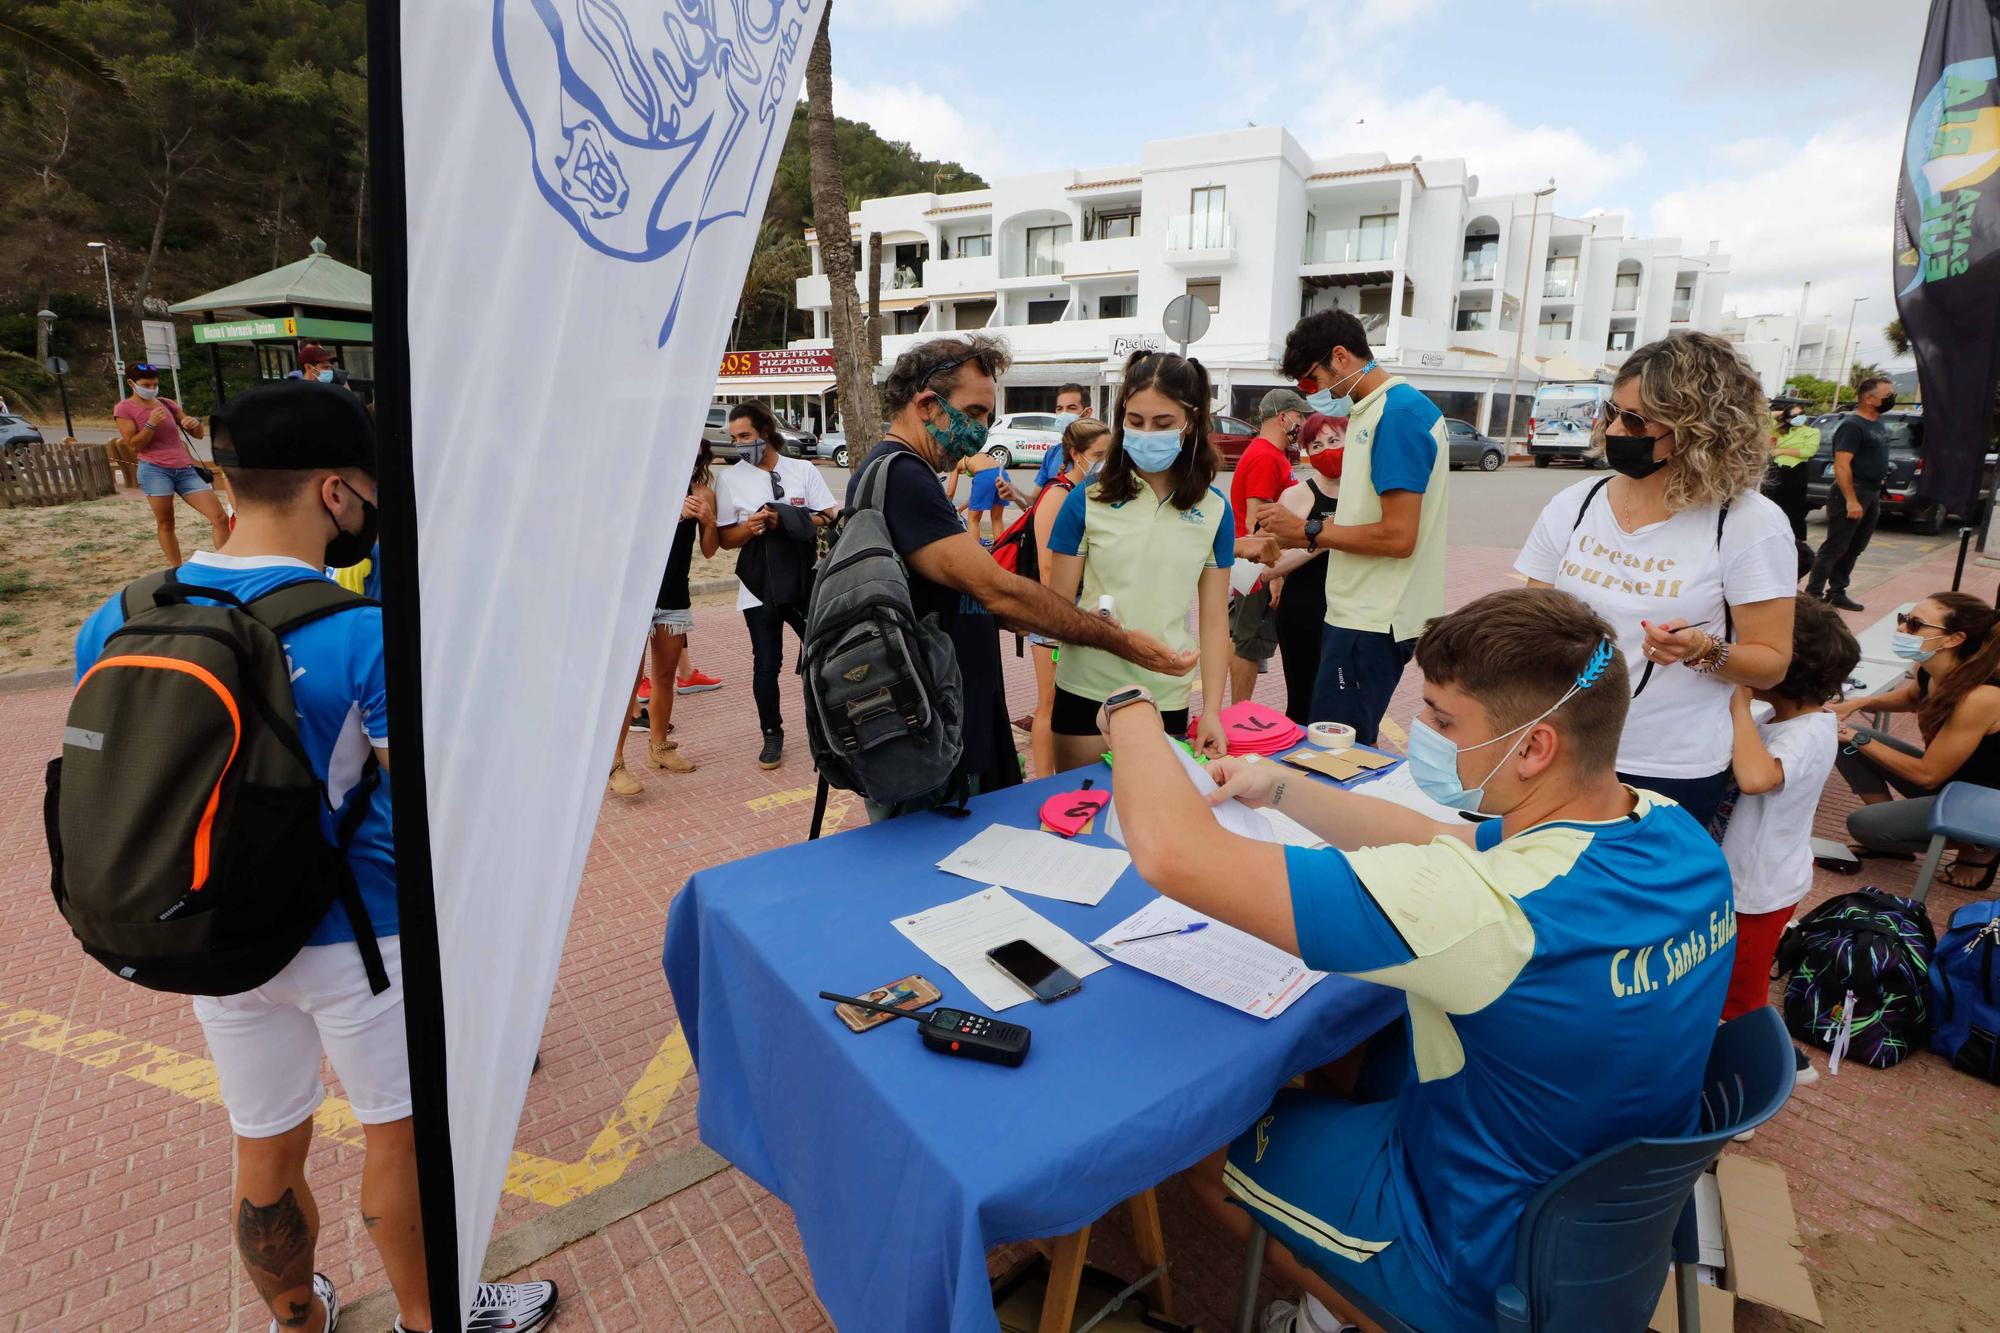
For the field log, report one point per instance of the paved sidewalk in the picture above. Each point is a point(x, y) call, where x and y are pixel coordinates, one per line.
point(115, 1155)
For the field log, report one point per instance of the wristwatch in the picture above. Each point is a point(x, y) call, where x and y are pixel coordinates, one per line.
point(1133, 695)
point(1861, 738)
point(1313, 526)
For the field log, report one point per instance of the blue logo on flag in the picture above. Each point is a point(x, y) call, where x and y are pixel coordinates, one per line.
point(647, 123)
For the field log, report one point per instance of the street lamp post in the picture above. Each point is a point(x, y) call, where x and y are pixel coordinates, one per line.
point(57, 366)
point(111, 309)
point(1521, 315)
point(1841, 371)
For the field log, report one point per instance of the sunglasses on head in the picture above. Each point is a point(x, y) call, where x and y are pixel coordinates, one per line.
point(1909, 624)
point(1633, 423)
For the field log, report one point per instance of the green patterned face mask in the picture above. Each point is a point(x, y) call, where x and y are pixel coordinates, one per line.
point(964, 438)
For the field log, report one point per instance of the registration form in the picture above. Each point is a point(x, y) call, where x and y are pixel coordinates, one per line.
point(958, 934)
point(1031, 861)
point(1218, 961)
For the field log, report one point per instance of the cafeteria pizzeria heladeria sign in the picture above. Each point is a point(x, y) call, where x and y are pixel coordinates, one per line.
point(782, 361)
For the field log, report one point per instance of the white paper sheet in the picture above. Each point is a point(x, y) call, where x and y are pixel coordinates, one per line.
point(958, 934)
point(1220, 961)
point(1031, 861)
point(1290, 831)
point(1399, 787)
point(1232, 815)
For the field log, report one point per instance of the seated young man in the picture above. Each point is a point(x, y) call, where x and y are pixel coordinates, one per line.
point(1564, 963)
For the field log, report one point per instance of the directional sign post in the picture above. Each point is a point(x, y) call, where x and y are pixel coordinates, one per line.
point(163, 348)
point(1187, 318)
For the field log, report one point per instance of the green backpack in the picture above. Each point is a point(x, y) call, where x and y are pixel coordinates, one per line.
point(183, 816)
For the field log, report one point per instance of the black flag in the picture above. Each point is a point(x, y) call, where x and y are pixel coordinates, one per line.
point(1948, 243)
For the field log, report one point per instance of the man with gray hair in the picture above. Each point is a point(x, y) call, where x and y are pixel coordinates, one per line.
point(941, 396)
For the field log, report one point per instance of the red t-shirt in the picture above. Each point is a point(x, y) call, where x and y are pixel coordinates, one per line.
point(1262, 473)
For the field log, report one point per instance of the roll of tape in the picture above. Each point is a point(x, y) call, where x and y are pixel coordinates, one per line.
point(1330, 735)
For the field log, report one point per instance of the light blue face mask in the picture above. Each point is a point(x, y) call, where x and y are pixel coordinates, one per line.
point(1434, 757)
point(1910, 647)
point(1153, 450)
point(1064, 420)
point(1323, 401)
point(324, 377)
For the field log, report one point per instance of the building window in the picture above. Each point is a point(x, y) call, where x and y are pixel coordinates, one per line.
point(1046, 312)
point(1118, 307)
point(972, 314)
point(1560, 280)
point(911, 321)
point(1208, 227)
point(1377, 237)
point(1045, 250)
point(1620, 341)
point(1474, 321)
point(1683, 303)
point(1117, 225)
point(1625, 292)
point(976, 247)
point(1482, 258)
point(1555, 330)
point(1209, 290)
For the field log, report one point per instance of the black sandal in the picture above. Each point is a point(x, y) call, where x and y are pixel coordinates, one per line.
point(1986, 869)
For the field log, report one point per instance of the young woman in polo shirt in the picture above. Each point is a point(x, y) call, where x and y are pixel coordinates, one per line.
point(1155, 536)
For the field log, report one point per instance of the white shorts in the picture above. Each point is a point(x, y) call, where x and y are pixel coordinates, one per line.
point(266, 1043)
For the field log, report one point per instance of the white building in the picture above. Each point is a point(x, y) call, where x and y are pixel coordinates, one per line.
point(1779, 347)
point(1075, 268)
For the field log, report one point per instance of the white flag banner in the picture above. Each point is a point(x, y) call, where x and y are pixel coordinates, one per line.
point(580, 187)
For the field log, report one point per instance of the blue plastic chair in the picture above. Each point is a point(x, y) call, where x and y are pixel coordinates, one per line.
point(1962, 811)
point(1595, 1241)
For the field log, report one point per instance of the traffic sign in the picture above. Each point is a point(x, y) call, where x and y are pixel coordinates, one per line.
point(1187, 318)
point(55, 365)
point(162, 347)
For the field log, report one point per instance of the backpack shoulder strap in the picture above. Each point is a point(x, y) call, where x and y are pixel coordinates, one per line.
point(1584, 508)
point(874, 487)
point(138, 594)
point(302, 601)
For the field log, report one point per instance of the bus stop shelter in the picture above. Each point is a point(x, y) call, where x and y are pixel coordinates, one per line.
point(318, 299)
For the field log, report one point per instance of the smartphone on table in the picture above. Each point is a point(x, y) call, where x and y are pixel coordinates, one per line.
point(1041, 974)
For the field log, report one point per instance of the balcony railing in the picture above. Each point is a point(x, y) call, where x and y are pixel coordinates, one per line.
point(1478, 268)
point(1201, 231)
point(1683, 311)
point(1351, 245)
point(1561, 286)
point(1045, 265)
point(1625, 299)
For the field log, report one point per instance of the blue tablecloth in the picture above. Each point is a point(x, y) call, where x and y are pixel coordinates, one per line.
point(904, 1166)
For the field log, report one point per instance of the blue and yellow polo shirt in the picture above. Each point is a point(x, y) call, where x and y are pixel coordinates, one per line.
point(1563, 989)
point(1396, 441)
point(1149, 556)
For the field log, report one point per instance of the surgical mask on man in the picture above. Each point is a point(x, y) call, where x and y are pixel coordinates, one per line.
point(1910, 647)
point(1434, 757)
point(1153, 450)
point(960, 436)
point(323, 376)
point(146, 393)
point(1064, 420)
point(1324, 401)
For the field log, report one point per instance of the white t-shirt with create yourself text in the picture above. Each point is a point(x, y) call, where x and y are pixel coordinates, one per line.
point(1678, 726)
point(1768, 843)
point(745, 488)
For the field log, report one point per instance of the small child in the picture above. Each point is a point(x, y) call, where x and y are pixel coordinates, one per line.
point(1781, 766)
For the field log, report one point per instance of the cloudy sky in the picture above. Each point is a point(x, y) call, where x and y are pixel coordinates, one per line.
point(1773, 126)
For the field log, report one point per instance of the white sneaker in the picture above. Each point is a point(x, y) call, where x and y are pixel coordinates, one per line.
point(511, 1306)
point(1285, 1317)
point(323, 1288)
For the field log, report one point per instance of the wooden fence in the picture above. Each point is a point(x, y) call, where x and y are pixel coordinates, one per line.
point(53, 474)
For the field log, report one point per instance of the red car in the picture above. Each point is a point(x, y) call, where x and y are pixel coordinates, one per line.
point(1230, 436)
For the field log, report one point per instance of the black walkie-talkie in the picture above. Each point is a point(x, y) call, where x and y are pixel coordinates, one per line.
point(956, 1032)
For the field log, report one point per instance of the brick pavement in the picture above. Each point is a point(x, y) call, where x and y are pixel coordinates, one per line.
point(114, 1154)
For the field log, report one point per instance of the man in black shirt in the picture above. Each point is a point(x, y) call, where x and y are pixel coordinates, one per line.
point(940, 396)
point(1860, 464)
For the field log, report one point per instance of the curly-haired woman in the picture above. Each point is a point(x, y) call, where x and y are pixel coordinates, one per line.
point(1694, 568)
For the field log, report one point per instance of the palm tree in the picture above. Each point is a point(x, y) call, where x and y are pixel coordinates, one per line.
point(1899, 341)
point(777, 262)
point(50, 51)
point(853, 368)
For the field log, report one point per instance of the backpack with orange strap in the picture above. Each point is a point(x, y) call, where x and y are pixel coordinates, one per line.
point(183, 815)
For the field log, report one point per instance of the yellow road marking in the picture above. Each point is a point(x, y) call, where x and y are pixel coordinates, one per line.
point(837, 805)
point(542, 1179)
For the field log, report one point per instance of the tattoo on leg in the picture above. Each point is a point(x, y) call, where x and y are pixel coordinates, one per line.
point(277, 1247)
point(299, 1310)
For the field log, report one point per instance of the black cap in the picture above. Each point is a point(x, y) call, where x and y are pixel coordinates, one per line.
point(295, 426)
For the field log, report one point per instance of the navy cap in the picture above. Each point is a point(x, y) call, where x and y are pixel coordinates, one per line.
point(294, 425)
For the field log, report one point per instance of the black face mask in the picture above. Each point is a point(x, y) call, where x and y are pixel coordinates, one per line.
point(1633, 455)
point(351, 548)
point(1886, 403)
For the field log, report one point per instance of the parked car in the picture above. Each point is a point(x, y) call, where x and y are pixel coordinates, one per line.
point(1020, 439)
point(793, 443)
point(1900, 498)
point(1470, 448)
point(16, 431)
point(1230, 436)
point(832, 446)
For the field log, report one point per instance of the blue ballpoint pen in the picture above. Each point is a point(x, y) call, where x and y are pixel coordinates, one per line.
point(1162, 934)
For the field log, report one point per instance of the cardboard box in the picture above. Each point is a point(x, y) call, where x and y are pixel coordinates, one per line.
point(1760, 1238)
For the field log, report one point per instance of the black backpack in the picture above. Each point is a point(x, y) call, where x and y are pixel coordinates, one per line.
point(884, 706)
point(183, 816)
point(1874, 946)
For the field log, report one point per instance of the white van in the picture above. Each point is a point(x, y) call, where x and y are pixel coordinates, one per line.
point(1564, 417)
